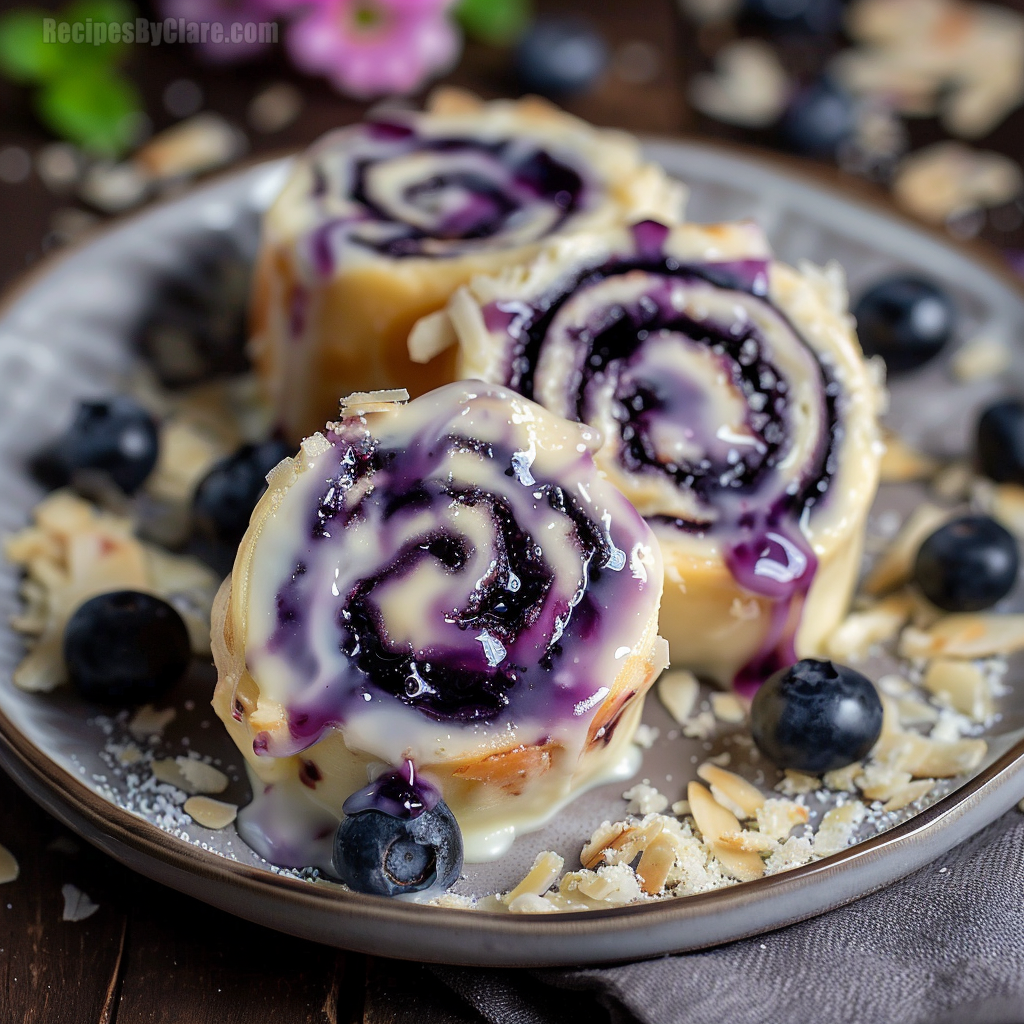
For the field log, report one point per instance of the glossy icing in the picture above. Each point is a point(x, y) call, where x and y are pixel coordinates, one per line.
point(446, 588)
point(722, 415)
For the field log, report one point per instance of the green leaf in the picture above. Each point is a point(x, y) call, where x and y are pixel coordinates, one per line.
point(94, 54)
point(25, 56)
point(95, 108)
point(498, 22)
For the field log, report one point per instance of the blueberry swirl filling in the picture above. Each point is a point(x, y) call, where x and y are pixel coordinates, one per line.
point(719, 420)
point(469, 569)
point(404, 195)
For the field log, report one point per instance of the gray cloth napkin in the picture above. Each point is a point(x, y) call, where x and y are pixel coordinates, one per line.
point(943, 946)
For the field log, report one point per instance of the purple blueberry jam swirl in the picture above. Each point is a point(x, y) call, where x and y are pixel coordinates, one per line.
point(393, 191)
point(720, 419)
point(459, 558)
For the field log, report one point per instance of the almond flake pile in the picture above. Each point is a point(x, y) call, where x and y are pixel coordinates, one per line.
point(73, 552)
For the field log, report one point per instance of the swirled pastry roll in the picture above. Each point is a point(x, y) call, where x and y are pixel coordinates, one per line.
point(447, 588)
point(379, 223)
point(736, 411)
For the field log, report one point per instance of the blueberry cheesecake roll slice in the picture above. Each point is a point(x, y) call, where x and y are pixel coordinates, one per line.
point(440, 602)
point(735, 409)
point(379, 222)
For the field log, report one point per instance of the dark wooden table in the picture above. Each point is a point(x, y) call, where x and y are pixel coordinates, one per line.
point(150, 955)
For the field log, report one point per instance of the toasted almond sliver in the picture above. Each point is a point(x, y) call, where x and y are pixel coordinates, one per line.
point(8, 866)
point(962, 685)
point(794, 783)
point(727, 707)
point(841, 780)
point(860, 631)
point(714, 820)
point(879, 781)
point(147, 721)
point(748, 841)
point(965, 635)
point(655, 864)
point(777, 817)
point(981, 358)
point(944, 760)
point(361, 402)
point(954, 482)
point(592, 853)
point(547, 866)
point(837, 828)
point(678, 690)
point(894, 567)
point(740, 792)
point(901, 462)
point(1007, 505)
point(209, 812)
point(530, 903)
point(908, 794)
point(203, 778)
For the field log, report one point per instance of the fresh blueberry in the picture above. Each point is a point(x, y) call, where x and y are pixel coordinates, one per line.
point(815, 716)
point(380, 854)
point(819, 119)
point(818, 16)
point(967, 564)
point(116, 437)
point(1000, 442)
point(227, 495)
point(905, 320)
point(125, 648)
point(560, 55)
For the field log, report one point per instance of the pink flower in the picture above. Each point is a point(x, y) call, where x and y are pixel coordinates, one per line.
point(372, 48)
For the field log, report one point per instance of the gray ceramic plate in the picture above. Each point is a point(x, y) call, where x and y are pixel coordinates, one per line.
point(65, 335)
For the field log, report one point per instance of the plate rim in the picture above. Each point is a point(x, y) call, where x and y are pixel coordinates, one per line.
point(339, 917)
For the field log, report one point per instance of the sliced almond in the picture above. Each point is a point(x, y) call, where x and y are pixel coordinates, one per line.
point(962, 685)
point(880, 781)
point(965, 635)
point(794, 783)
point(777, 817)
point(655, 864)
point(837, 828)
point(980, 358)
point(727, 707)
point(747, 841)
point(1007, 505)
point(841, 780)
point(861, 630)
point(209, 812)
point(678, 690)
point(739, 792)
point(901, 462)
point(615, 884)
point(531, 903)
point(8, 866)
point(148, 722)
point(359, 403)
point(908, 794)
point(937, 759)
point(202, 777)
point(547, 866)
point(953, 483)
point(894, 567)
point(603, 837)
point(714, 820)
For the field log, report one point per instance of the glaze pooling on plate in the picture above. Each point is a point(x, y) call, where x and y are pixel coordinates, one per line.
point(448, 584)
point(729, 392)
point(380, 221)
